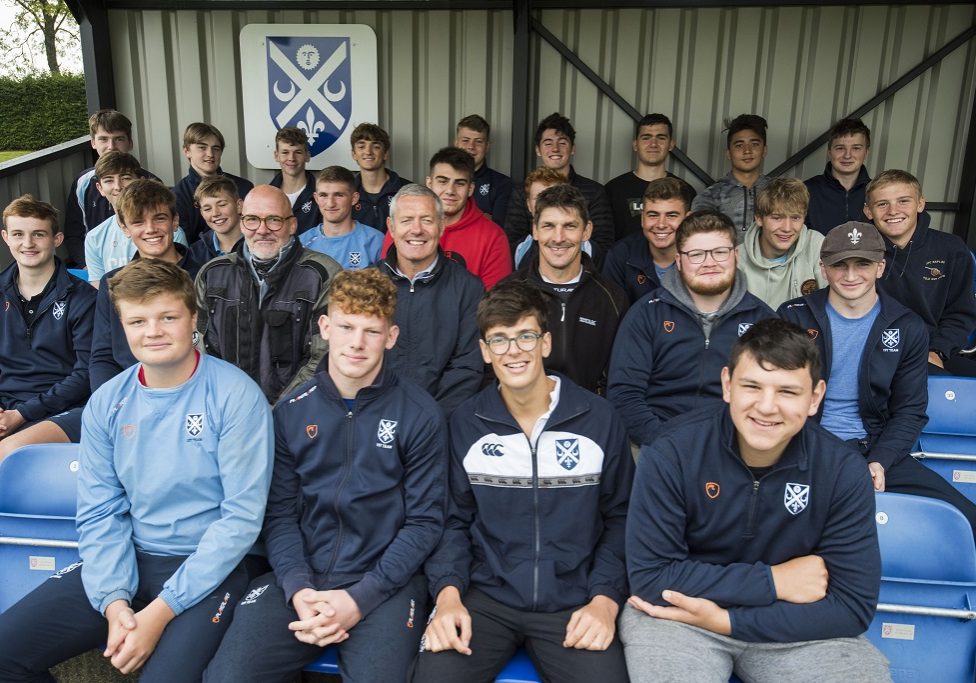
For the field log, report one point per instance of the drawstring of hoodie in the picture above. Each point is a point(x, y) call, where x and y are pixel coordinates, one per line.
point(904, 266)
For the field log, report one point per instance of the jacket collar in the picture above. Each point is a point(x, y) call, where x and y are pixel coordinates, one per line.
point(384, 379)
point(862, 178)
point(573, 402)
point(796, 453)
point(390, 263)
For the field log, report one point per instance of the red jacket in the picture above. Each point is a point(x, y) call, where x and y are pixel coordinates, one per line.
point(477, 242)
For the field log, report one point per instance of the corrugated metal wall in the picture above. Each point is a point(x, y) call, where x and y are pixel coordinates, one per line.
point(176, 67)
point(801, 67)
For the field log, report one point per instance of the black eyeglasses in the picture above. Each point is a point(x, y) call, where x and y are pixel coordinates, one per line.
point(274, 223)
point(500, 345)
point(697, 256)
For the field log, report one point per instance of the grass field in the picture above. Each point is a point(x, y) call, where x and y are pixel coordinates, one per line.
point(7, 155)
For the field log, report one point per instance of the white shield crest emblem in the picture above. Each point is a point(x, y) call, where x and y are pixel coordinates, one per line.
point(59, 308)
point(310, 86)
point(386, 431)
point(743, 328)
point(891, 337)
point(485, 189)
point(796, 497)
point(567, 453)
point(355, 258)
point(194, 424)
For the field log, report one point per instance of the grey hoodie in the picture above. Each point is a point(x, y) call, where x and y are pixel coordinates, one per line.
point(732, 198)
point(673, 283)
point(777, 283)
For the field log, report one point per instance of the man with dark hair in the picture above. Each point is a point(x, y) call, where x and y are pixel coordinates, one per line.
point(347, 551)
point(929, 271)
point(469, 237)
point(653, 142)
point(292, 153)
point(375, 183)
point(260, 305)
point(174, 466)
point(672, 344)
point(584, 308)
point(837, 195)
point(751, 540)
point(45, 339)
point(436, 302)
point(147, 213)
point(735, 194)
point(532, 452)
point(491, 188)
point(351, 243)
point(85, 207)
point(203, 147)
point(637, 263)
point(874, 353)
point(537, 180)
point(555, 144)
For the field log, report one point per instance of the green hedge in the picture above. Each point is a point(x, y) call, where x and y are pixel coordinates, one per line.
point(40, 111)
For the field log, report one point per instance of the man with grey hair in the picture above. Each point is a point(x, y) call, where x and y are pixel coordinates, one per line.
point(437, 300)
point(259, 305)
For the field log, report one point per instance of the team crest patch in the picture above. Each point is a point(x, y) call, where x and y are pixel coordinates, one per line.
point(59, 309)
point(252, 597)
point(194, 424)
point(355, 258)
point(712, 489)
point(386, 431)
point(743, 328)
point(312, 431)
point(310, 86)
point(128, 430)
point(484, 189)
point(891, 337)
point(641, 278)
point(812, 333)
point(669, 326)
point(567, 453)
point(796, 497)
point(808, 287)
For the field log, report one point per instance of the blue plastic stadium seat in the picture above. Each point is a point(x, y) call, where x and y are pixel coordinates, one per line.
point(947, 444)
point(37, 517)
point(79, 273)
point(518, 670)
point(926, 623)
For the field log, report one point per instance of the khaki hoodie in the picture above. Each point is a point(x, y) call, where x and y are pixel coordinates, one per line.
point(776, 283)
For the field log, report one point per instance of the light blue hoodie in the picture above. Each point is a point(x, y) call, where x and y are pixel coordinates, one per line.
point(179, 471)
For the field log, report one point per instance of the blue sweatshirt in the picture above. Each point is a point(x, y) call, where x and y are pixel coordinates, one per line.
point(44, 366)
point(701, 524)
point(536, 524)
point(893, 375)
point(667, 361)
point(357, 497)
point(179, 471)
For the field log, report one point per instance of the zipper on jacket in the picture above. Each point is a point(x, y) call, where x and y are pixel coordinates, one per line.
point(562, 316)
point(753, 508)
point(535, 518)
point(335, 501)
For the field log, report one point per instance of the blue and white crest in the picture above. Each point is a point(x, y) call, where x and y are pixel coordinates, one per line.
point(194, 424)
point(796, 497)
point(355, 258)
point(310, 86)
point(59, 308)
point(386, 431)
point(891, 337)
point(743, 328)
point(567, 453)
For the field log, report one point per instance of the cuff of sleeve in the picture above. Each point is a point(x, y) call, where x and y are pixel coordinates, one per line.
point(294, 582)
point(30, 411)
point(771, 586)
point(608, 591)
point(169, 597)
point(884, 457)
point(367, 593)
point(436, 588)
point(112, 597)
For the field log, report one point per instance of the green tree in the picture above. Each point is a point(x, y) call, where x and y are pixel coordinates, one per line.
point(47, 24)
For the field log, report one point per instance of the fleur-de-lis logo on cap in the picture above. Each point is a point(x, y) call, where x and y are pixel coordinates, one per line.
point(855, 236)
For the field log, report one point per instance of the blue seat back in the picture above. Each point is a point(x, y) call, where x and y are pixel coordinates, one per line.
point(518, 670)
point(37, 517)
point(924, 539)
point(40, 479)
point(79, 273)
point(952, 406)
